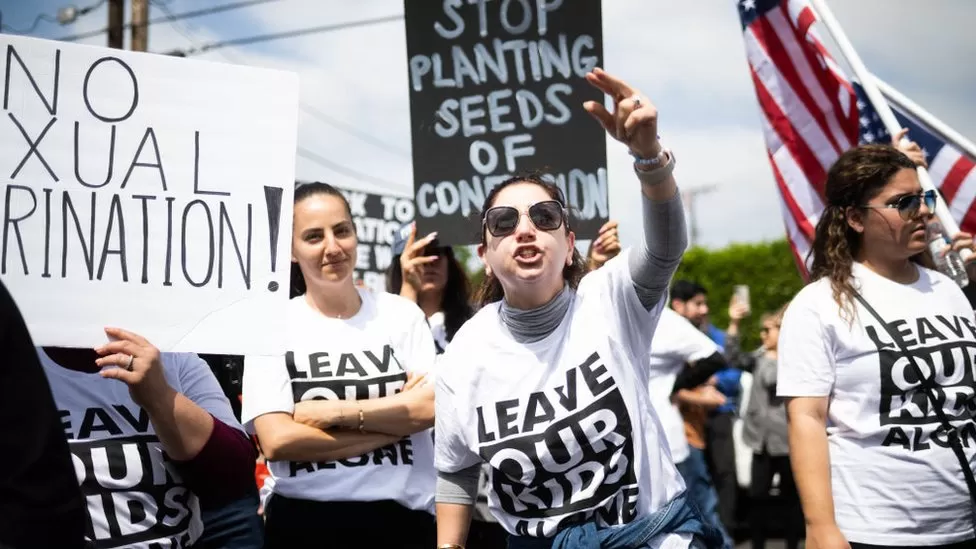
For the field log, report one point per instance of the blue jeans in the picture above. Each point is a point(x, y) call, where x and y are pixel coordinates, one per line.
point(700, 491)
point(679, 516)
point(235, 525)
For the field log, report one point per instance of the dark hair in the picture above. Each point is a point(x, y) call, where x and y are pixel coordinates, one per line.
point(491, 289)
point(303, 191)
point(859, 175)
point(456, 298)
point(686, 290)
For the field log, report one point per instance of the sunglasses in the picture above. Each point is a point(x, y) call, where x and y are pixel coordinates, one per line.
point(503, 220)
point(909, 205)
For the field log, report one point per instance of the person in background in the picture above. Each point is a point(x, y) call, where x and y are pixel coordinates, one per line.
point(428, 274)
point(40, 502)
point(764, 431)
point(869, 353)
point(690, 300)
point(155, 444)
point(343, 417)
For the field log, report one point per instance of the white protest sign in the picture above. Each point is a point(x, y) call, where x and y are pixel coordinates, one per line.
point(146, 192)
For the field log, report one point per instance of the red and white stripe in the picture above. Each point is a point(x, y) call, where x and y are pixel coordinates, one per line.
point(809, 113)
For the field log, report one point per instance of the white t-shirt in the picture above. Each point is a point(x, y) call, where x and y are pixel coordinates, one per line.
point(438, 329)
point(135, 496)
point(366, 356)
point(895, 481)
point(676, 342)
point(565, 423)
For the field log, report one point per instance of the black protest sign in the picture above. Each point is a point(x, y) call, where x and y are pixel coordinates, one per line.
point(377, 217)
point(497, 88)
point(135, 183)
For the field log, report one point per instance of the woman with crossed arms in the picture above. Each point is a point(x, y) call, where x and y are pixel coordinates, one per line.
point(343, 418)
point(547, 383)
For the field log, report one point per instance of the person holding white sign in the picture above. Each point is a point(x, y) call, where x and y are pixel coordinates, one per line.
point(547, 383)
point(153, 439)
point(344, 417)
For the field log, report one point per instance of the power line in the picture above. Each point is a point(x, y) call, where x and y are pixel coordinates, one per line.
point(172, 17)
point(348, 172)
point(352, 130)
point(37, 21)
point(287, 34)
point(66, 16)
point(305, 107)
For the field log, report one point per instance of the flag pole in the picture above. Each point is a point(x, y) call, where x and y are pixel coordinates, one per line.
point(929, 119)
point(881, 106)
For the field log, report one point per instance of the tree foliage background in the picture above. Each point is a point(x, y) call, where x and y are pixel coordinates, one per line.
point(767, 268)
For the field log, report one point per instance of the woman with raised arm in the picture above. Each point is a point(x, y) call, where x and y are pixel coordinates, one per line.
point(344, 417)
point(875, 359)
point(547, 383)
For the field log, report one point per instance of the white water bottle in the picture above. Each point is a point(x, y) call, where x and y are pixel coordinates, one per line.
point(950, 263)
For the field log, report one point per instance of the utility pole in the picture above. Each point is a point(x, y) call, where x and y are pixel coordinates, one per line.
point(689, 196)
point(116, 22)
point(140, 25)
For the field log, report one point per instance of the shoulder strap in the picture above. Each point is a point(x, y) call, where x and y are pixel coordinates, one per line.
point(927, 384)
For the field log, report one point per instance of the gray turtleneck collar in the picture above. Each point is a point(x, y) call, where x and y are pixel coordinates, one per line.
point(531, 325)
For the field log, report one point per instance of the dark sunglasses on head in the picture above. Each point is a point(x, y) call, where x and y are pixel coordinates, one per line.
point(909, 205)
point(503, 220)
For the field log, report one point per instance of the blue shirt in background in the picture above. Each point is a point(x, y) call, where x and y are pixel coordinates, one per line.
point(728, 378)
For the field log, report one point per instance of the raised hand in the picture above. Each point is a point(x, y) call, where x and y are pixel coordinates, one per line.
point(605, 246)
point(910, 148)
point(412, 262)
point(633, 121)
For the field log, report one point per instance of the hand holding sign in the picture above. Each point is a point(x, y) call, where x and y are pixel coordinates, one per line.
point(634, 119)
point(137, 364)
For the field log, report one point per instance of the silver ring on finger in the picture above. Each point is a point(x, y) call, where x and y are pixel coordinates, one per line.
point(637, 101)
point(128, 365)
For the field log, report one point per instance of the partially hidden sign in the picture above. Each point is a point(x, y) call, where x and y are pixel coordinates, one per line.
point(497, 88)
point(378, 218)
point(146, 192)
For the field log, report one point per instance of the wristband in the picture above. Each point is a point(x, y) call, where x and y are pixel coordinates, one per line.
point(657, 175)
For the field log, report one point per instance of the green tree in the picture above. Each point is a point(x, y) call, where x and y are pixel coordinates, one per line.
point(767, 268)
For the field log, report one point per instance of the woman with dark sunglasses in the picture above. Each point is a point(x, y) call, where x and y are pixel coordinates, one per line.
point(547, 383)
point(876, 361)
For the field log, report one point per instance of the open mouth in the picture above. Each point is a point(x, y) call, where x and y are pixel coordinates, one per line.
point(528, 254)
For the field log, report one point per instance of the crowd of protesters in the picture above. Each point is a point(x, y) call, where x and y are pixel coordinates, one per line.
point(569, 402)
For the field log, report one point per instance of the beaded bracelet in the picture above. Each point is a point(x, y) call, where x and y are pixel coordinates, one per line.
point(657, 175)
point(362, 421)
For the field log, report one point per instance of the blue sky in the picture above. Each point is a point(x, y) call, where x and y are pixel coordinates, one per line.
point(687, 56)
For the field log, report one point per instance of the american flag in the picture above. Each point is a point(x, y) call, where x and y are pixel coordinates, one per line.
point(811, 113)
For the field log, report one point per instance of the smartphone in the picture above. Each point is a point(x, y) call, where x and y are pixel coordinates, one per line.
point(741, 294)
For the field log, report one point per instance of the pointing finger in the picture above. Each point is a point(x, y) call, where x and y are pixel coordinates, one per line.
point(611, 85)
